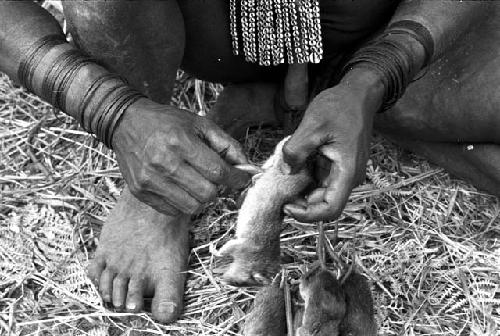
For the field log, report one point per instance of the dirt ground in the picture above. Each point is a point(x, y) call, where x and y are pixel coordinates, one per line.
point(429, 244)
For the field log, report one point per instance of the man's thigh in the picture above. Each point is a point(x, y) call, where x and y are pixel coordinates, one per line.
point(141, 40)
point(458, 97)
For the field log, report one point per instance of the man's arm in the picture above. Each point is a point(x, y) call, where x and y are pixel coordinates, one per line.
point(338, 122)
point(446, 20)
point(22, 23)
point(169, 157)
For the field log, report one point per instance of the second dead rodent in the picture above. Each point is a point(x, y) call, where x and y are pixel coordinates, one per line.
point(335, 305)
point(267, 317)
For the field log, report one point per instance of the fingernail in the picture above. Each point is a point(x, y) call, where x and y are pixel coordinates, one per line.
point(167, 308)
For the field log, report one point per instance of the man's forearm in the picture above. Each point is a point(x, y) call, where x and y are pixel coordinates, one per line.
point(419, 32)
point(21, 24)
point(35, 53)
point(445, 20)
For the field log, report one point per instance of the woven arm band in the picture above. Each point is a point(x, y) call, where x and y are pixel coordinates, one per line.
point(103, 102)
point(419, 32)
point(393, 59)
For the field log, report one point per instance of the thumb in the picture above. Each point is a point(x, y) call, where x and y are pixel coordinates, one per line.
point(227, 147)
point(298, 148)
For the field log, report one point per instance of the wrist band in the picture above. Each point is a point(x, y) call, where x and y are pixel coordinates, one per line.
point(416, 30)
point(392, 60)
point(89, 95)
point(96, 112)
point(101, 114)
point(110, 115)
point(33, 56)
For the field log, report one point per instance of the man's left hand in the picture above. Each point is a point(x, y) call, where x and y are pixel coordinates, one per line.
point(337, 125)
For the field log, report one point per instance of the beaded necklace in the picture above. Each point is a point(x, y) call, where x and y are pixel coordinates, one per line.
point(276, 31)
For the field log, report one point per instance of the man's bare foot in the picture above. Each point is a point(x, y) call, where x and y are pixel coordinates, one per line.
point(142, 253)
point(241, 106)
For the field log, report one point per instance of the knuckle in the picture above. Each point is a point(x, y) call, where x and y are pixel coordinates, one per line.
point(174, 141)
point(157, 158)
point(143, 180)
point(191, 207)
point(208, 193)
point(289, 151)
point(238, 150)
point(176, 138)
point(291, 154)
point(172, 168)
point(170, 210)
point(134, 188)
point(218, 172)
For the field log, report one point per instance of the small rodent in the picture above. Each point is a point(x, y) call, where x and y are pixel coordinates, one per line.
point(256, 246)
point(267, 317)
point(335, 306)
point(359, 317)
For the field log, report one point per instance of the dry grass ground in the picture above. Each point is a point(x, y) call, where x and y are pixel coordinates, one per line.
point(429, 244)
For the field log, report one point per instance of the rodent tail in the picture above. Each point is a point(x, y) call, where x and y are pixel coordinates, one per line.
point(320, 245)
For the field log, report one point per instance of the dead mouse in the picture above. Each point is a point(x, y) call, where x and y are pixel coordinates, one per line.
point(359, 317)
point(267, 317)
point(256, 247)
point(324, 299)
point(335, 304)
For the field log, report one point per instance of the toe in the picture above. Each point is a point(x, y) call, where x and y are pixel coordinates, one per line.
point(95, 269)
point(135, 295)
point(120, 284)
point(106, 284)
point(168, 299)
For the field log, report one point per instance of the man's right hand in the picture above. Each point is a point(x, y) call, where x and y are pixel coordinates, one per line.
point(173, 160)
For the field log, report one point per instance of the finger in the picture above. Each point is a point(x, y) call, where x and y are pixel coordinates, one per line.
point(212, 167)
point(316, 195)
point(120, 284)
point(326, 203)
point(194, 183)
point(311, 213)
point(301, 144)
point(224, 144)
point(165, 195)
point(155, 201)
point(135, 295)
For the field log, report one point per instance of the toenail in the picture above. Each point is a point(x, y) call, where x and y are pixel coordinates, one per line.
point(131, 306)
point(167, 308)
point(107, 298)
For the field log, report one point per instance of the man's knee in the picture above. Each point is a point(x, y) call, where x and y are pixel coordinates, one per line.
point(142, 41)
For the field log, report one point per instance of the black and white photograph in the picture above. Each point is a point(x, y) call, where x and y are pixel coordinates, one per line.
point(250, 167)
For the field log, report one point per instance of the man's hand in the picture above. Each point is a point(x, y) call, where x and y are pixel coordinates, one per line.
point(338, 125)
point(173, 160)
